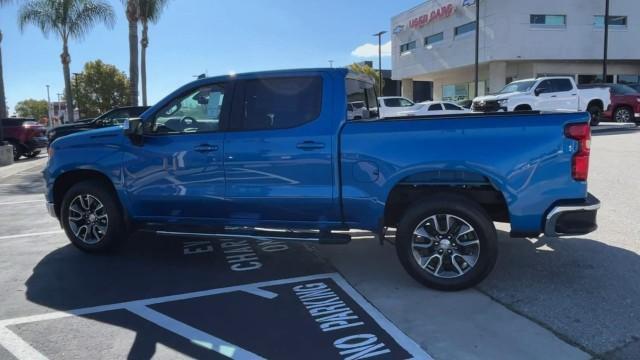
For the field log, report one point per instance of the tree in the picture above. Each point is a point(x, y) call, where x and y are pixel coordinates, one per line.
point(150, 11)
point(67, 19)
point(132, 10)
point(367, 70)
point(32, 108)
point(3, 100)
point(101, 87)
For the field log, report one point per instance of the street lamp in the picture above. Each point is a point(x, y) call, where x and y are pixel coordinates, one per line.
point(477, 66)
point(379, 35)
point(331, 64)
point(606, 41)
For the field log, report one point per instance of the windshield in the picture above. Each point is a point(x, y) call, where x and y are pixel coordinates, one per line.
point(519, 86)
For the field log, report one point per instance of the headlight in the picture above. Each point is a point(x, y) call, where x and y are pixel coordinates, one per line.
point(52, 133)
point(503, 102)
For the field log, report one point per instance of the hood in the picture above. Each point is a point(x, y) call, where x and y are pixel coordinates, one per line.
point(76, 125)
point(97, 137)
point(496, 97)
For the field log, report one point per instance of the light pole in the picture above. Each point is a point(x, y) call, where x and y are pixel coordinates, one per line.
point(331, 64)
point(606, 41)
point(379, 35)
point(477, 66)
point(50, 120)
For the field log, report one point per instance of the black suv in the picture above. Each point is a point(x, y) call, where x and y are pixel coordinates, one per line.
point(110, 118)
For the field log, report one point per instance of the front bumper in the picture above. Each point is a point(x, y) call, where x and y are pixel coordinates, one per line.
point(572, 218)
point(37, 143)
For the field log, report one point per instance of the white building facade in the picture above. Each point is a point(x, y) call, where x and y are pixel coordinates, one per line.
point(519, 39)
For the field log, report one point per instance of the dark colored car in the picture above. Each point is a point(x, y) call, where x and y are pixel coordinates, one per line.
point(465, 103)
point(625, 103)
point(110, 118)
point(26, 135)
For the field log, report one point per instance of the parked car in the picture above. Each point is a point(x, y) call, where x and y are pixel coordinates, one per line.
point(436, 108)
point(465, 103)
point(356, 110)
point(625, 103)
point(234, 156)
point(393, 106)
point(635, 87)
point(547, 94)
point(26, 135)
point(110, 118)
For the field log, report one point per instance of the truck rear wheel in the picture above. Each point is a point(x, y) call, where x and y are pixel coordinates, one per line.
point(91, 217)
point(447, 242)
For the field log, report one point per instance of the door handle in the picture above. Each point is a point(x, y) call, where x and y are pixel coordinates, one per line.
point(310, 145)
point(206, 148)
point(554, 95)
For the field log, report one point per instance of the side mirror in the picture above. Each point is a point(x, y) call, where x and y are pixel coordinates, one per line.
point(133, 130)
point(539, 91)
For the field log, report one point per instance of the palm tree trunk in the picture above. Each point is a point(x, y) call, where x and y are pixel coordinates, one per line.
point(3, 100)
point(144, 43)
point(133, 62)
point(66, 60)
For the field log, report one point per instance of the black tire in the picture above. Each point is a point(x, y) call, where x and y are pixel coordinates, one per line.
point(33, 154)
point(596, 113)
point(114, 226)
point(623, 115)
point(18, 150)
point(462, 208)
point(520, 108)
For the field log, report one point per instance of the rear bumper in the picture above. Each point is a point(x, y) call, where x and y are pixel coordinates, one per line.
point(572, 218)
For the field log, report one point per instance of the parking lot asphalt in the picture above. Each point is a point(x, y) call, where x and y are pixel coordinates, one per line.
point(171, 297)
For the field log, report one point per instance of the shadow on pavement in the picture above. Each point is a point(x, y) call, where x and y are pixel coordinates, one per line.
point(148, 266)
point(614, 131)
point(584, 290)
point(27, 184)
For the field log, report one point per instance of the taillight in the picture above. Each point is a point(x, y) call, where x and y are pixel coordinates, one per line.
point(580, 162)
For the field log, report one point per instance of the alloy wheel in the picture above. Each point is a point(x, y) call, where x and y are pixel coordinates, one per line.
point(623, 115)
point(445, 245)
point(88, 219)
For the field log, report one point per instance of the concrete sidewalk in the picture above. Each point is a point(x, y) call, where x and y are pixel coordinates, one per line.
point(22, 165)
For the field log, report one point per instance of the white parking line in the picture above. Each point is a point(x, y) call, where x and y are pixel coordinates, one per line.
point(21, 202)
point(196, 336)
point(22, 350)
point(31, 234)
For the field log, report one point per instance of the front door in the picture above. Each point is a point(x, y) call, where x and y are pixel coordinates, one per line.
point(177, 173)
point(278, 153)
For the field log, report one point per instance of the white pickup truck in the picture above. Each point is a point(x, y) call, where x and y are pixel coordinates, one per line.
point(546, 94)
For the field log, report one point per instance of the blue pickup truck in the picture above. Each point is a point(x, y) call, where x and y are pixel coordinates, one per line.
point(275, 155)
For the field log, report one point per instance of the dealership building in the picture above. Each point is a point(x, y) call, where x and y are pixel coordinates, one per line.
point(519, 39)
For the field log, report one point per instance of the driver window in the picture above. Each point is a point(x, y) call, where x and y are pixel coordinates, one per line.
point(198, 111)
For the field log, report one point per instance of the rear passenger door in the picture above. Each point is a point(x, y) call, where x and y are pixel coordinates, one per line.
point(278, 153)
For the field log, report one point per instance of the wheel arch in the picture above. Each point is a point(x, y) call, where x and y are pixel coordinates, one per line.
point(484, 189)
point(66, 180)
point(597, 102)
point(523, 107)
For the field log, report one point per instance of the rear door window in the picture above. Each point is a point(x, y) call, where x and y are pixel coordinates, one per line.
point(281, 103)
point(450, 106)
point(561, 85)
point(362, 96)
point(434, 107)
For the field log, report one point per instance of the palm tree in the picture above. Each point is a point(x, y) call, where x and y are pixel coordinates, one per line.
point(132, 10)
point(369, 71)
point(3, 100)
point(67, 19)
point(150, 11)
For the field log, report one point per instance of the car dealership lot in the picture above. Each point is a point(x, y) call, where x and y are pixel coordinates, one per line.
point(170, 297)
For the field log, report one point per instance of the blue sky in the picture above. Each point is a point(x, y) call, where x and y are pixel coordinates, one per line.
point(196, 36)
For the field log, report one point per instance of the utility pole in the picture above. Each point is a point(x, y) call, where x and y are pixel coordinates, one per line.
point(379, 35)
point(50, 122)
point(606, 41)
point(477, 66)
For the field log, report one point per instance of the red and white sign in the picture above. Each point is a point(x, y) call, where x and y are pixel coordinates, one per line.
point(440, 13)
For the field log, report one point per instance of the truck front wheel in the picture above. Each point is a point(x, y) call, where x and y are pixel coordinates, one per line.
point(447, 242)
point(91, 216)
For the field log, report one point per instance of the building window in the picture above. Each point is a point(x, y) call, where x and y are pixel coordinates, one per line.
point(628, 79)
point(466, 28)
point(593, 79)
point(407, 47)
point(619, 22)
point(430, 40)
point(548, 21)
